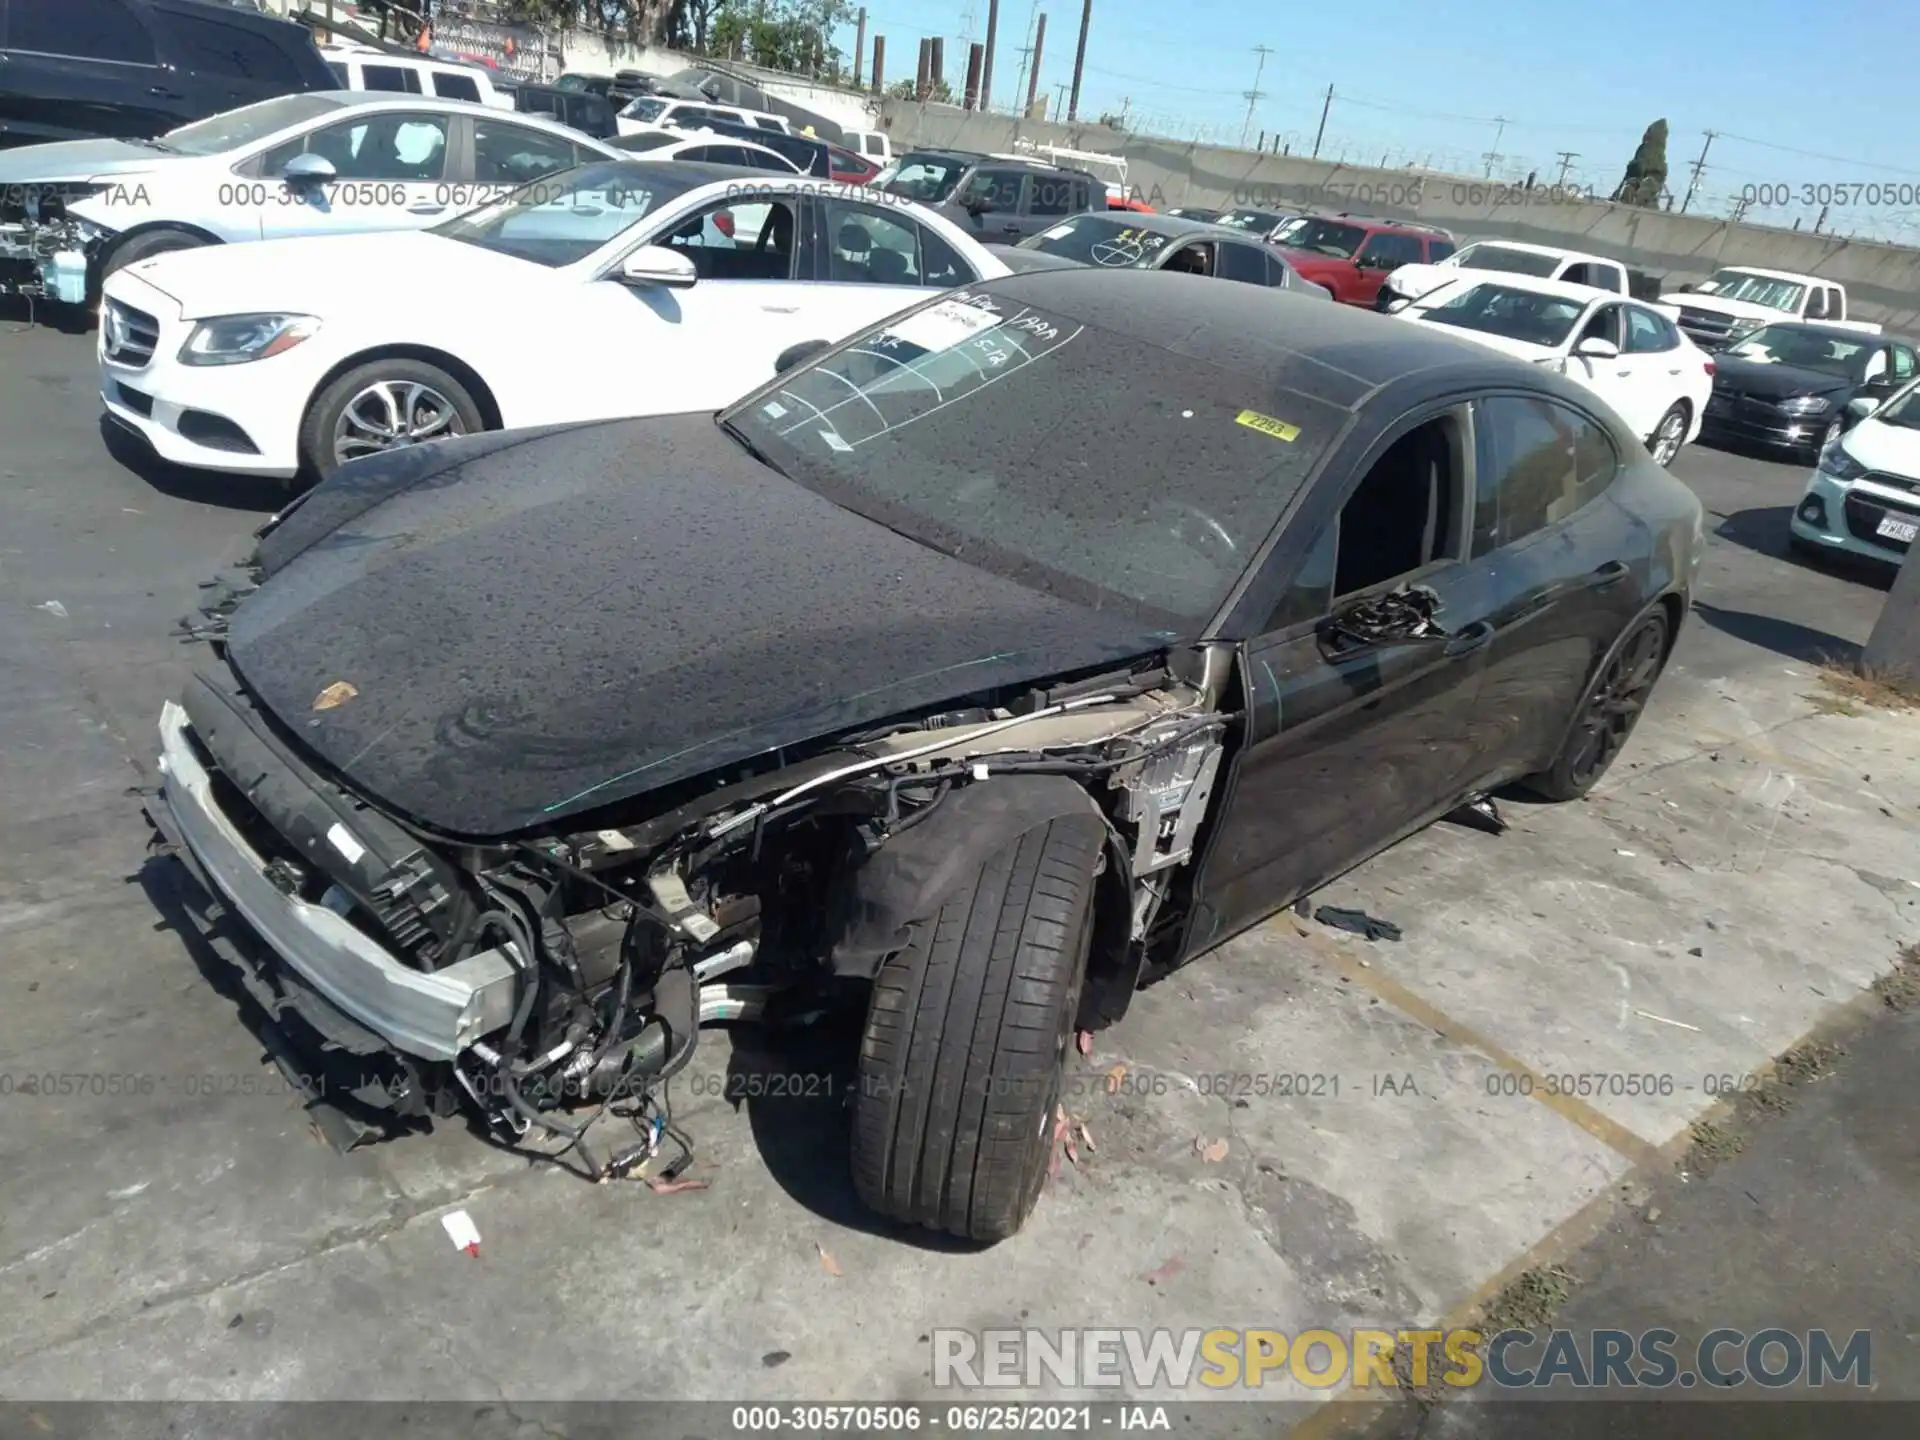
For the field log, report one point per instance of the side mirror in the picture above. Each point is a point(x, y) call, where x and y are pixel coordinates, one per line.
point(1861, 408)
point(308, 169)
point(799, 354)
point(1596, 348)
point(657, 265)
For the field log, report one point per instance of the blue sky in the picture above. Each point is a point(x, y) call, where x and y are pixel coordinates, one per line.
point(1422, 83)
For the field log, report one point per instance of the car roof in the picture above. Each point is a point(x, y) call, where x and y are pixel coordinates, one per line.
point(1558, 251)
point(1778, 275)
point(397, 100)
point(1340, 353)
point(1561, 289)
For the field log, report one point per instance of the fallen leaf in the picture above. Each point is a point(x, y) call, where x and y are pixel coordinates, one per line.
point(827, 1262)
point(1086, 1137)
point(659, 1185)
point(1165, 1272)
point(1114, 1077)
point(337, 693)
point(1212, 1152)
point(1085, 1041)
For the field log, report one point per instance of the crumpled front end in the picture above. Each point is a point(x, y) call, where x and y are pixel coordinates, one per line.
point(46, 253)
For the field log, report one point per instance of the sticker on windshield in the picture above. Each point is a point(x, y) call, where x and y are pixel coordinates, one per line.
point(942, 326)
point(1267, 425)
point(834, 441)
point(1058, 232)
point(773, 409)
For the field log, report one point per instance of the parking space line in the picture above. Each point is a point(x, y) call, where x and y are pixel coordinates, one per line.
point(1606, 1130)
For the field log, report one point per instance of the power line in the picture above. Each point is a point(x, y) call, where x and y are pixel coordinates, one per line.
point(1256, 94)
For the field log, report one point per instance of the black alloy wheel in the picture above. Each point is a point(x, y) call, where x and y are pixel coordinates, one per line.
point(1611, 708)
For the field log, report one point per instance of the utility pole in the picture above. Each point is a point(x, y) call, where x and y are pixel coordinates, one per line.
point(879, 64)
point(1892, 653)
point(1080, 60)
point(1699, 168)
point(1256, 94)
point(1059, 101)
point(1567, 157)
point(986, 63)
point(1039, 47)
point(859, 46)
point(1321, 133)
point(1493, 156)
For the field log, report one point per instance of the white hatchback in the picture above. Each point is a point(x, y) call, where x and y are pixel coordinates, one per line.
point(1863, 497)
point(633, 287)
point(1630, 354)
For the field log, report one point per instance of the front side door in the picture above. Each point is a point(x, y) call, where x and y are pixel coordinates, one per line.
point(103, 55)
point(988, 205)
point(1560, 560)
point(1611, 377)
point(1658, 366)
point(1378, 258)
point(1350, 744)
point(661, 351)
point(391, 172)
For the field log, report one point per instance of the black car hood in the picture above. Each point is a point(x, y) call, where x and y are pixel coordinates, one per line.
point(534, 625)
point(1768, 381)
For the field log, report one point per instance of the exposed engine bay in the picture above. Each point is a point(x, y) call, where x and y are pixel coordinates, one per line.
point(44, 252)
point(558, 979)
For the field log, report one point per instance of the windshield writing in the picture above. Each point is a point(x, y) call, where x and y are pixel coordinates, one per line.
point(1100, 242)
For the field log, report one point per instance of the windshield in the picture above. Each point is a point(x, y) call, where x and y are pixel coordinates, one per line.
point(571, 82)
point(987, 429)
point(1804, 350)
point(561, 218)
point(1505, 259)
point(1514, 314)
point(1754, 289)
point(1186, 212)
point(646, 140)
point(1903, 410)
point(1327, 237)
point(235, 128)
point(1262, 220)
point(1112, 244)
point(645, 108)
point(927, 178)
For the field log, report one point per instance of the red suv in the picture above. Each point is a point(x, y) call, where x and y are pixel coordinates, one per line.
point(1349, 257)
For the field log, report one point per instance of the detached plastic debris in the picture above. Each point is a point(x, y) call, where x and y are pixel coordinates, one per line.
point(1357, 922)
point(1479, 814)
point(1403, 615)
point(463, 1232)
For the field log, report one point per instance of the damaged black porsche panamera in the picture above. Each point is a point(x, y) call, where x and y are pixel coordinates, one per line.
point(975, 671)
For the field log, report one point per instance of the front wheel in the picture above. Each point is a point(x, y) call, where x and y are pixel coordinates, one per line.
point(146, 245)
point(966, 1040)
point(1609, 710)
point(1668, 436)
point(384, 405)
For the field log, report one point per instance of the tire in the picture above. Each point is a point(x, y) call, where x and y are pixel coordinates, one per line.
point(1676, 416)
point(966, 1037)
point(448, 398)
point(147, 244)
point(1625, 678)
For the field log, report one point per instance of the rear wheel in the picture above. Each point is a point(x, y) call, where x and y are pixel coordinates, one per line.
point(1608, 712)
point(966, 1039)
point(384, 405)
point(1669, 435)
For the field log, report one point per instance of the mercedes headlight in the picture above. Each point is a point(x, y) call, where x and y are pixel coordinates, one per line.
point(1805, 405)
point(236, 339)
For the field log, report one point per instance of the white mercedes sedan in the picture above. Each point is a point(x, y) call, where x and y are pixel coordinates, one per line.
point(621, 288)
point(1629, 353)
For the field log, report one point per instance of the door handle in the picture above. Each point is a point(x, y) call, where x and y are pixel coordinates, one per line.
point(780, 309)
point(1611, 573)
point(426, 207)
point(1470, 639)
point(1623, 373)
point(1009, 229)
point(1673, 372)
point(161, 92)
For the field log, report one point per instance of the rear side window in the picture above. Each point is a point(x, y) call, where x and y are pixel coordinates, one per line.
point(1242, 263)
point(1438, 250)
point(507, 154)
point(340, 74)
point(455, 87)
point(766, 124)
point(87, 29)
point(1537, 462)
point(1052, 195)
point(232, 50)
point(390, 77)
point(1648, 333)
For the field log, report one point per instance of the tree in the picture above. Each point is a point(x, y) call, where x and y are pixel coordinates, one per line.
point(1646, 175)
point(791, 35)
point(939, 92)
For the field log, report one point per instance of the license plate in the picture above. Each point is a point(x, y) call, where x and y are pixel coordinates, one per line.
point(1905, 531)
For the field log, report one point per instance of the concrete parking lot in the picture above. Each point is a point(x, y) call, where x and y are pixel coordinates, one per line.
point(1751, 866)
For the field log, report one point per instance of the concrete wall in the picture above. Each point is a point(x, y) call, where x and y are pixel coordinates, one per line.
point(1883, 281)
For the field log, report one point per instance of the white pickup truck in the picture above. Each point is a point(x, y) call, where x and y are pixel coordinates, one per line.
point(1737, 301)
point(1504, 257)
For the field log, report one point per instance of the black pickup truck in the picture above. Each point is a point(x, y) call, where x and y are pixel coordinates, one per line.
point(998, 201)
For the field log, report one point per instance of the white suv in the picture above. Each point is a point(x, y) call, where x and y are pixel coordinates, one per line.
point(648, 112)
point(369, 69)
